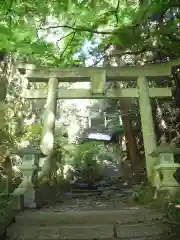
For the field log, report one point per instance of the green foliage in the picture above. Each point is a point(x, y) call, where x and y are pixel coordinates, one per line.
point(172, 212)
point(62, 147)
point(143, 194)
point(6, 140)
point(4, 202)
point(33, 133)
point(89, 153)
point(125, 23)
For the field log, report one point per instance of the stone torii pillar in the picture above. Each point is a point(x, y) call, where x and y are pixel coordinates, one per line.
point(147, 124)
point(47, 142)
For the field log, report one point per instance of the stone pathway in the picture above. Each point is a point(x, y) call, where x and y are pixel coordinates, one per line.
point(88, 219)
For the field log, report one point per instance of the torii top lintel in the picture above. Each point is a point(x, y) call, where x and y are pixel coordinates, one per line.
point(78, 74)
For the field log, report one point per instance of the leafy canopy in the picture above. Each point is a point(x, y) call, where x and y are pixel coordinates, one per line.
point(132, 25)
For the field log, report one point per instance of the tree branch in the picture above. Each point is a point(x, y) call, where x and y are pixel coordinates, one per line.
point(57, 42)
point(79, 29)
point(68, 45)
point(116, 12)
point(142, 50)
point(172, 38)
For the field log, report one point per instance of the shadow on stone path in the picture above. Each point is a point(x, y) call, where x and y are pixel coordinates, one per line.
point(89, 219)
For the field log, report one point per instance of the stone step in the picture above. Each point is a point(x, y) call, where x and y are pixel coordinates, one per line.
point(85, 193)
point(85, 232)
point(122, 191)
point(50, 217)
point(76, 190)
point(81, 194)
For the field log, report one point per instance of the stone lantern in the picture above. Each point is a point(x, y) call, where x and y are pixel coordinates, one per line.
point(25, 192)
point(165, 167)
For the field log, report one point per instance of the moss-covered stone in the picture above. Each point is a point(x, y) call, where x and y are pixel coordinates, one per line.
point(144, 194)
point(45, 194)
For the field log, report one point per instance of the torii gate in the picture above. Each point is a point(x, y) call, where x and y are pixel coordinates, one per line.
point(98, 78)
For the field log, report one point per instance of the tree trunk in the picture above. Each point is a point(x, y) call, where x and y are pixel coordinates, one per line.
point(5, 162)
point(3, 86)
point(125, 106)
point(133, 153)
